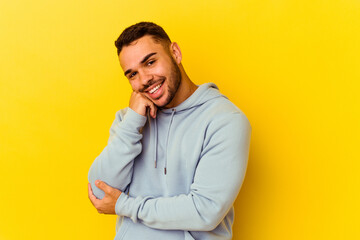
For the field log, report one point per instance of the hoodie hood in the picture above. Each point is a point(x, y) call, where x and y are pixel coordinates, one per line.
point(203, 93)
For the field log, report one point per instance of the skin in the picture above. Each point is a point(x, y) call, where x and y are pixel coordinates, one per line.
point(107, 204)
point(147, 63)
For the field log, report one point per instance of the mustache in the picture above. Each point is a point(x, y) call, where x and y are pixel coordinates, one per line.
point(151, 82)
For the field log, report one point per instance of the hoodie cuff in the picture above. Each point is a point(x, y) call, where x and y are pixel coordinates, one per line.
point(129, 207)
point(125, 207)
point(133, 120)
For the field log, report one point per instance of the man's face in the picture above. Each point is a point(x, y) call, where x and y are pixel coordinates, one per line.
point(151, 70)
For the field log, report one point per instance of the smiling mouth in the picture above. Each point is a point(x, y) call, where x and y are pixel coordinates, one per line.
point(154, 89)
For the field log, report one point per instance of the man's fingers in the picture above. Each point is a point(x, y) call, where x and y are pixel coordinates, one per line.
point(151, 106)
point(92, 197)
point(107, 204)
point(103, 186)
point(153, 109)
point(141, 104)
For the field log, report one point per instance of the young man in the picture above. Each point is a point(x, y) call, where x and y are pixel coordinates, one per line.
point(177, 156)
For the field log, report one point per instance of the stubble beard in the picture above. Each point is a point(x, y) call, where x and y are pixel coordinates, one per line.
point(173, 84)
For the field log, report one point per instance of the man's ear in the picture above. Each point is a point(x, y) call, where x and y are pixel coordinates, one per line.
point(176, 52)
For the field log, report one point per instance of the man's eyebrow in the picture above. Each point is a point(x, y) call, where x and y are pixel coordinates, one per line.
point(147, 57)
point(127, 71)
point(142, 61)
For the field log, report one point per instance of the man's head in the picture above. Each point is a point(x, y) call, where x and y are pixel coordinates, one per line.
point(151, 62)
point(139, 30)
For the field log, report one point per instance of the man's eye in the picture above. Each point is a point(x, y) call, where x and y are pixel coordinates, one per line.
point(151, 62)
point(132, 74)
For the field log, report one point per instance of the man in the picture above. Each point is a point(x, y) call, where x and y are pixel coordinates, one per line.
point(177, 156)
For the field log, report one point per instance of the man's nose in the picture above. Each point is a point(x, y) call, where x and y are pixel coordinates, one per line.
point(145, 78)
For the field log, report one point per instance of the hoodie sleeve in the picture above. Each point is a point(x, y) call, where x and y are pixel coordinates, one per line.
point(217, 181)
point(114, 164)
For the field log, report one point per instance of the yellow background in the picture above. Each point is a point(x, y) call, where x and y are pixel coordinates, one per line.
point(293, 67)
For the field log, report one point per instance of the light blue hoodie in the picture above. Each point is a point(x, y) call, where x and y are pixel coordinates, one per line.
point(180, 173)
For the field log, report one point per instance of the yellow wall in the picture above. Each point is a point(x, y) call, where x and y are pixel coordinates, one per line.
point(291, 66)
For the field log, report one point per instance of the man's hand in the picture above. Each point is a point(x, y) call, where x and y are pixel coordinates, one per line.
point(107, 204)
point(140, 104)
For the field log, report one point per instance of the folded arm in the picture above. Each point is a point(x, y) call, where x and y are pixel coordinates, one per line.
point(217, 181)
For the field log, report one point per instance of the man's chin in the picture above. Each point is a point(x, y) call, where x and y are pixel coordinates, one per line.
point(163, 101)
point(160, 106)
point(160, 103)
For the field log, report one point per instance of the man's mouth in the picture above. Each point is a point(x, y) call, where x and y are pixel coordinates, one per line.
point(154, 89)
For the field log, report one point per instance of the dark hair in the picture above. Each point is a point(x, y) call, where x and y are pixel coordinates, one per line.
point(139, 30)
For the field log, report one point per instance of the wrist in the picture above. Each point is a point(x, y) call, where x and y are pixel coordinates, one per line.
point(133, 120)
point(139, 109)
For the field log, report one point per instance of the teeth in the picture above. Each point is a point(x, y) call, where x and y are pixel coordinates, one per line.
point(155, 89)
